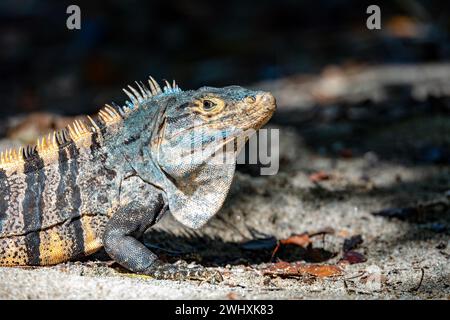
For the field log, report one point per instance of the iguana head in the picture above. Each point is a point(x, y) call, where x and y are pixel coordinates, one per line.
point(228, 110)
point(199, 136)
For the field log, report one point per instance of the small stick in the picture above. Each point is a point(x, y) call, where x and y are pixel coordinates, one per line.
point(420, 282)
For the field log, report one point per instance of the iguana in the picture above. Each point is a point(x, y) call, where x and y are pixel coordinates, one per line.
point(103, 181)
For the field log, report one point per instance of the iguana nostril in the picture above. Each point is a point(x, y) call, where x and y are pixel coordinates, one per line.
point(267, 101)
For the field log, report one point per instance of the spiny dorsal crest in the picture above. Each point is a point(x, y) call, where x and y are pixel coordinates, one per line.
point(144, 93)
point(48, 144)
point(12, 157)
point(79, 130)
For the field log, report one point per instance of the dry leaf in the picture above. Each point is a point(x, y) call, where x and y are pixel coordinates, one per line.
point(298, 239)
point(298, 269)
point(353, 257)
point(232, 296)
point(319, 176)
point(321, 271)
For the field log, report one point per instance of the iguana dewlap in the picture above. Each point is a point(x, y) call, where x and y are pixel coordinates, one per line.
point(103, 181)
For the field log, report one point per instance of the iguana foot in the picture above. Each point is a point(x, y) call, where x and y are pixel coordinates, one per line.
point(182, 272)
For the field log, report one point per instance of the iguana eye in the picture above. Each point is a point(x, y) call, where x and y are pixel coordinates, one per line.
point(208, 105)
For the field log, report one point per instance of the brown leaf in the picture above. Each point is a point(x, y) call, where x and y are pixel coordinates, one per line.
point(282, 268)
point(321, 271)
point(353, 257)
point(232, 296)
point(319, 176)
point(298, 239)
point(275, 250)
point(298, 269)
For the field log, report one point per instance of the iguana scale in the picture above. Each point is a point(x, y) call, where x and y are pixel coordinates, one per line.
point(102, 182)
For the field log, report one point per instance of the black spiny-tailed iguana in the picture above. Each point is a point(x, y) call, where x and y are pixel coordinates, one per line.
point(102, 182)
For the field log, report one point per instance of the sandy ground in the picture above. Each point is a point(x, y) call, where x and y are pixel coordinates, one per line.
point(406, 258)
point(397, 252)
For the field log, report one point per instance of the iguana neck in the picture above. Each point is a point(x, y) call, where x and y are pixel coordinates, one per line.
point(134, 143)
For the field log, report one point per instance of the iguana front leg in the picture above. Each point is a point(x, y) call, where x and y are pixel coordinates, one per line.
point(121, 242)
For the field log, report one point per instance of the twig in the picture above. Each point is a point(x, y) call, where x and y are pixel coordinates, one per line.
point(275, 251)
point(346, 286)
point(354, 290)
point(420, 282)
point(360, 274)
point(324, 231)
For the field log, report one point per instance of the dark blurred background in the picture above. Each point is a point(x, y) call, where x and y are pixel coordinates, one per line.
point(45, 66)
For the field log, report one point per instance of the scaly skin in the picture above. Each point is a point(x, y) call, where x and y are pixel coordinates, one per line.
point(104, 181)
